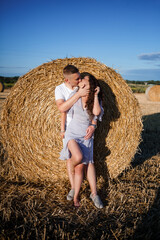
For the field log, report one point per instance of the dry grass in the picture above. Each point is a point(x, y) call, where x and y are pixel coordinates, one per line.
point(147, 107)
point(132, 208)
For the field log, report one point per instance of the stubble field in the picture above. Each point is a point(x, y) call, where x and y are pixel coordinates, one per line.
point(132, 201)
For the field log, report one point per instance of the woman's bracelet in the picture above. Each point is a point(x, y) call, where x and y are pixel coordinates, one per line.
point(94, 125)
point(62, 131)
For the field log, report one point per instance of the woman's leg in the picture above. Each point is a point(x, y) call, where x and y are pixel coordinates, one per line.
point(76, 154)
point(91, 176)
point(70, 195)
point(76, 169)
point(70, 175)
point(78, 181)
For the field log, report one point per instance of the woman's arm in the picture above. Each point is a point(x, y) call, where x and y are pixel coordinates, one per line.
point(96, 106)
point(96, 111)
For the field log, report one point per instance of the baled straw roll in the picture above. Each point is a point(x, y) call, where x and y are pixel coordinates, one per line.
point(153, 93)
point(31, 123)
point(1, 87)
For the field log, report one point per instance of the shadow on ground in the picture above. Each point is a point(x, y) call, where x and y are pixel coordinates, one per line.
point(111, 114)
point(150, 222)
point(150, 144)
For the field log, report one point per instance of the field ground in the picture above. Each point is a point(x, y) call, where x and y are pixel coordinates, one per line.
point(132, 201)
point(147, 107)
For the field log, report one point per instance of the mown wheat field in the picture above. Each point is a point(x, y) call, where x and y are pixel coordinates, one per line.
point(132, 200)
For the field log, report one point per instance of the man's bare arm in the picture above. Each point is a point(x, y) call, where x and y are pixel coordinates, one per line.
point(64, 106)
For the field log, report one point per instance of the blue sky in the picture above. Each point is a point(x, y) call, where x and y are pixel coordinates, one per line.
point(122, 34)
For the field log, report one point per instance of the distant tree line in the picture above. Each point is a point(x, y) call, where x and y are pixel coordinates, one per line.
point(8, 79)
point(144, 82)
point(14, 80)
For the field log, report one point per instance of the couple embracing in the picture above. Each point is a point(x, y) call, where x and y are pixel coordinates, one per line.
point(79, 100)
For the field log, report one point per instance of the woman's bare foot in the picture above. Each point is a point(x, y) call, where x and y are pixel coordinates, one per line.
point(76, 203)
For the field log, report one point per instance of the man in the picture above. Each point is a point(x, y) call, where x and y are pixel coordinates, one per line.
point(71, 79)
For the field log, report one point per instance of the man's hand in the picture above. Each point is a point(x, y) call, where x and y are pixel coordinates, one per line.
point(89, 132)
point(62, 134)
point(83, 91)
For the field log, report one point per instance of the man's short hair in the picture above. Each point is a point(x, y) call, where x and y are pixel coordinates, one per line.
point(70, 69)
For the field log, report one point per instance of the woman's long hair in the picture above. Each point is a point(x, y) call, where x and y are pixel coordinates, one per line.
point(93, 82)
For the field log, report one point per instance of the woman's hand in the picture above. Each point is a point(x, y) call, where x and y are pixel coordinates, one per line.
point(89, 132)
point(97, 90)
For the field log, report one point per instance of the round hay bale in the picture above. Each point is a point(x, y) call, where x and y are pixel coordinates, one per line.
point(1, 87)
point(31, 123)
point(153, 93)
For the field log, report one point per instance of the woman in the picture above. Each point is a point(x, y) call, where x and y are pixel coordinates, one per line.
point(85, 112)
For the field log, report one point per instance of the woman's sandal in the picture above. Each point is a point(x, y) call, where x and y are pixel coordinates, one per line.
point(70, 195)
point(97, 201)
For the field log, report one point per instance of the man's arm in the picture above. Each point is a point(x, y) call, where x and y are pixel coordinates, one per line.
point(64, 106)
point(63, 121)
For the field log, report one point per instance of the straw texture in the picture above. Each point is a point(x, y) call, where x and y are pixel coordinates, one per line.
point(30, 124)
point(1, 87)
point(153, 93)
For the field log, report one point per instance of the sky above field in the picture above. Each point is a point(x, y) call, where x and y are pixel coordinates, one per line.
point(122, 34)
